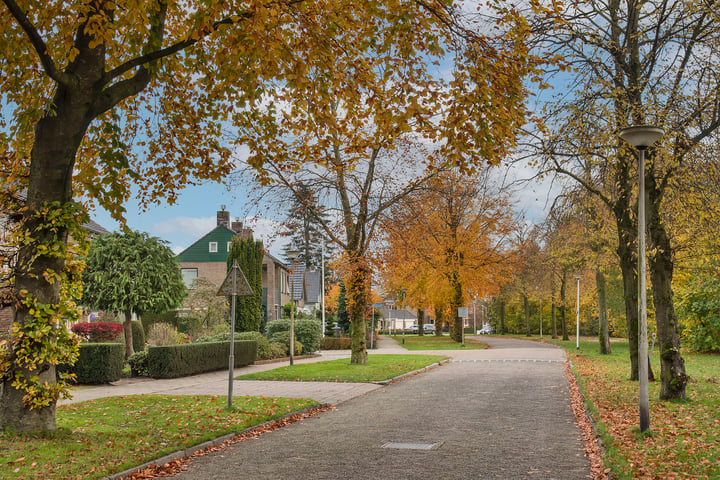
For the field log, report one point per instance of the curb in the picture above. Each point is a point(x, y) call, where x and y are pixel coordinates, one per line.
point(194, 449)
point(413, 373)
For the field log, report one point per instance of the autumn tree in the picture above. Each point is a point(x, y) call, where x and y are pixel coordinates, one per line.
point(363, 126)
point(638, 63)
point(99, 96)
point(131, 273)
point(449, 237)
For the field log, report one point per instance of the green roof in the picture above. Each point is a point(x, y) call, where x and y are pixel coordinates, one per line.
point(199, 252)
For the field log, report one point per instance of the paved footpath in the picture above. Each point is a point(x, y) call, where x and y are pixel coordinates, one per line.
point(497, 413)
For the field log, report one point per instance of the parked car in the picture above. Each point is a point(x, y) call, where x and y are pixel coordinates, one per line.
point(486, 329)
point(429, 328)
point(413, 329)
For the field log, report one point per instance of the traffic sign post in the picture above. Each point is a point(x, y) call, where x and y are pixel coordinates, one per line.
point(235, 284)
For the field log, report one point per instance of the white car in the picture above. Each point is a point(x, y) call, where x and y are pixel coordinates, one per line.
point(487, 329)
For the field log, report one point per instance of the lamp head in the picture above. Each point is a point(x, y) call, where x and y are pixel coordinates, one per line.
point(292, 254)
point(641, 136)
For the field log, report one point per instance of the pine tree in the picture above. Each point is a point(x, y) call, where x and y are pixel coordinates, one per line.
point(342, 315)
point(305, 230)
point(249, 256)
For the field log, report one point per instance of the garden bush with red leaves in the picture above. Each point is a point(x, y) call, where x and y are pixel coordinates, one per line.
point(97, 332)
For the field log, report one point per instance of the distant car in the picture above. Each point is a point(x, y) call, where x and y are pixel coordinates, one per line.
point(486, 329)
point(413, 329)
point(429, 328)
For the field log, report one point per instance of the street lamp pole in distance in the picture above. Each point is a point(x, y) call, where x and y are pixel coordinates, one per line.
point(292, 255)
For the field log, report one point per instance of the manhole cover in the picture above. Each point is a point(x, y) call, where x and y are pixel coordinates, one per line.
point(412, 445)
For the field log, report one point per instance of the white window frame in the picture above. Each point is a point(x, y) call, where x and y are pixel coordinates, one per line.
point(192, 284)
point(229, 244)
point(212, 248)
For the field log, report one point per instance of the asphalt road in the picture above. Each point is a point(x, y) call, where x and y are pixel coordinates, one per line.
point(499, 413)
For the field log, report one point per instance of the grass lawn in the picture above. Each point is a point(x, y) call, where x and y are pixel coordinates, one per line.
point(431, 342)
point(101, 437)
point(685, 435)
point(378, 368)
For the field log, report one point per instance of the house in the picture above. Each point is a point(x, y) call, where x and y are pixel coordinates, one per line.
point(207, 258)
point(396, 320)
point(307, 287)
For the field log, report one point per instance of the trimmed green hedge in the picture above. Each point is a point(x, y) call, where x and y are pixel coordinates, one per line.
point(98, 363)
point(335, 343)
point(174, 361)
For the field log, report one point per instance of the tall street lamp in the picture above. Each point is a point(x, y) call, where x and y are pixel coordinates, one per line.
point(642, 137)
point(292, 255)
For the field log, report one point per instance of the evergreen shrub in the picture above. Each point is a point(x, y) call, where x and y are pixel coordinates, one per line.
point(263, 345)
point(138, 333)
point(172, 361)
point(139, 364)
point(98, 363)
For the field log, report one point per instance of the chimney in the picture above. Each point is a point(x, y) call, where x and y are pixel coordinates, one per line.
point(223, 218)
point(237, 226)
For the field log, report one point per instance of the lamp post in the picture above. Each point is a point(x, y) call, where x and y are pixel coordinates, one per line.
point(642, 137)
point(404, 291)
point(577, 314)
point(292, 255)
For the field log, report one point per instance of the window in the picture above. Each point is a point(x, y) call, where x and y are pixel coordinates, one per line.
point(213, 247)
point(229, 244)
point(189, 276)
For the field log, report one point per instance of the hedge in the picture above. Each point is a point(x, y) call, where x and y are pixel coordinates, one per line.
point(174, 361)
point(335, 343)
point(98, 363)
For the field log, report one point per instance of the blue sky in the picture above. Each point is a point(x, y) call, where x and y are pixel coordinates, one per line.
point(194, 213)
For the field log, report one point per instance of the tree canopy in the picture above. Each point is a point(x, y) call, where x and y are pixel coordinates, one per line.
point(131, 273)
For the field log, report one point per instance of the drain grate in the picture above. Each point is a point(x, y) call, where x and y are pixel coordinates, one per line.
point(412, 445)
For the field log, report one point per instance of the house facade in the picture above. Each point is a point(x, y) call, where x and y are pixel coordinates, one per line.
point(207, 259)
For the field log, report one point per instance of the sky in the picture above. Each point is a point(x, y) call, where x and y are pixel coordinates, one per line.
point(194, 213)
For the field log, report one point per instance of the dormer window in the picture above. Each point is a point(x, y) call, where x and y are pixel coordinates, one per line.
point(213, 247)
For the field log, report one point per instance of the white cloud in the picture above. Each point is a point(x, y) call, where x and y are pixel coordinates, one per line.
point(192, 227)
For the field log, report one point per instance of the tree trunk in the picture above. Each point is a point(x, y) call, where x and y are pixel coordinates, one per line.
point(526, 308)
point(439, 320)
point(457, 323)
point(672, 366)
point(604, 337)
point(563, 315)
point(52, 159)
point(128, 334)
point(357, 294)
point(554, 320)
point(502, 317)
point(421, 322)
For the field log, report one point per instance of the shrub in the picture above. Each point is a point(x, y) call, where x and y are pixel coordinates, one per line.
point(335, 343)
point(162, 334)
point(307, 332)
point(98, 363)
point(278, 350)
point(97, 332)
point(138, 333)
point(263, 345)
point(280, 325)
point(139, 364)
point(173, 361)
point(283, 338)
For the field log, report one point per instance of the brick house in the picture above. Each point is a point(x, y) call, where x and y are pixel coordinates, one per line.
point(207, 258)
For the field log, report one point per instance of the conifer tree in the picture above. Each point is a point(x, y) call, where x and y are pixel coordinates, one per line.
point(249, 255)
